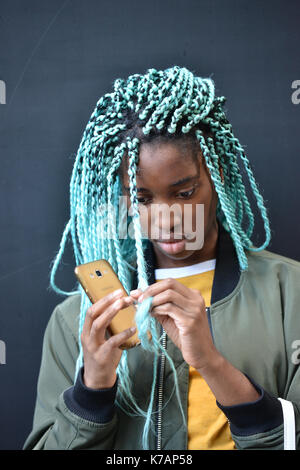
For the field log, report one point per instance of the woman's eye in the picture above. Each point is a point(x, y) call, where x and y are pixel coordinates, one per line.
point(142, 200)
point(186, 194)
point(183, 194)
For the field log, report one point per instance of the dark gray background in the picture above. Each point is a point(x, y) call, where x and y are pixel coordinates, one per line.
point(57, 58)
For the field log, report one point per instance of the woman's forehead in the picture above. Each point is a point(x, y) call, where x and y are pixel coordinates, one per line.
point(168, 156)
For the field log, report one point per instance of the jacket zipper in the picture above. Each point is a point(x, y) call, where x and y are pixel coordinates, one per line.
point(160, 391)
point(161, 383)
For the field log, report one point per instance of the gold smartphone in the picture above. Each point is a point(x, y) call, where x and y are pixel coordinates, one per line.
point(98, 279)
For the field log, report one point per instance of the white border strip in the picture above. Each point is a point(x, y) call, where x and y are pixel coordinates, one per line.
point(288, 424)
point(184, 271)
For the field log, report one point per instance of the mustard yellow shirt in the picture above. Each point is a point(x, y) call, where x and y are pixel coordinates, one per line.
point(208, 428)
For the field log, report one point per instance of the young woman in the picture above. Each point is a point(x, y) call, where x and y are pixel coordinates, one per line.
point(221, 370)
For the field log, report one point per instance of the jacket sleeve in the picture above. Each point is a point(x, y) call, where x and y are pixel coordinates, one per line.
point(68, 415)
point(259, 425)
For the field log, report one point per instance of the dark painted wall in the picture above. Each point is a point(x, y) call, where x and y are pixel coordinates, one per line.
point(56, 59)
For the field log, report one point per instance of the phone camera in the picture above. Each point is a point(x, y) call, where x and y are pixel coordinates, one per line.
point(98, 273)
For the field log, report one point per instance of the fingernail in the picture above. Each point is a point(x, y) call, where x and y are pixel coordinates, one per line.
point(117, 292)
point(133, 292)
point(132, 329)
point(141, 298)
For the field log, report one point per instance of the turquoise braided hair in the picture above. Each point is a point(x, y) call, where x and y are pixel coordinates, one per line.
point(171, 104)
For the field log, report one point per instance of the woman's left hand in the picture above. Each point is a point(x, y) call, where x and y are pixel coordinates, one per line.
point(182, 313)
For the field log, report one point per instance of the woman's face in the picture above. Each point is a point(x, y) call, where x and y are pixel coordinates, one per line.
point(168, 176)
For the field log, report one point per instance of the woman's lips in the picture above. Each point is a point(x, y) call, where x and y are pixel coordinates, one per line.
point(172, 246)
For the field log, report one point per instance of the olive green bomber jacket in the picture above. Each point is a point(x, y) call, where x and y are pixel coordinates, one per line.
point(255, 324)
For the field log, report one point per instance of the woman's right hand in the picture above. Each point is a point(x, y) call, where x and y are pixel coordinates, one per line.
point(101, 355)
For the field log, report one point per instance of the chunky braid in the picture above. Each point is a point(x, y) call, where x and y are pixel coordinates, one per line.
point(170, 105)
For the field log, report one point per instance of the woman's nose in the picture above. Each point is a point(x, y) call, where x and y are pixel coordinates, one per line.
point(166, 219)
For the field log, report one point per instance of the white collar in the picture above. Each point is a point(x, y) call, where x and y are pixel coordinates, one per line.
point(163, 273)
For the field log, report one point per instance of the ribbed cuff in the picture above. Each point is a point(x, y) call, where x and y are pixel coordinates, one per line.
point(97, 406)
point(254, 417)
